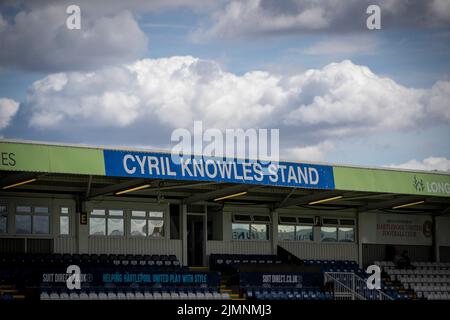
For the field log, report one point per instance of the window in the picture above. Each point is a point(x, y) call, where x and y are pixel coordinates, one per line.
point(302, 220)
point(3, 218)
point(41, 224)
point(295, 232)
point(241, 231)
point(286, 232)
point(330, 221)
point(261, 218)
point(23, 224)
point(328, 234)
point(346, 234)
point(155, 224)
point(97, 223)
point(32, 220)
point(64, 221)
point(259, 232)
point(288, 219)
point(142, 225)
point(255, 228)
point(246, 231)
point(241, 217)
point(304, 233)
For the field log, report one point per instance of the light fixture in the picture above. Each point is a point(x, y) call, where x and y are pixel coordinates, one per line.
point(408, 204)
point(231, 196)
point(325, 200)
point(145, 186)
point(19, 183)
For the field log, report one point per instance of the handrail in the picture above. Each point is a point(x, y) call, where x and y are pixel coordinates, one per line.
point(356, 283)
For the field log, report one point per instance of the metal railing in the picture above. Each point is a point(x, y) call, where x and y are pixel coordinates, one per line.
point(349, 286)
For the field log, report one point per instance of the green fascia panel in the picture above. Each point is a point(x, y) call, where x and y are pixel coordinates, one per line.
point(76, 160)
point(389, 181)
point(51, 159)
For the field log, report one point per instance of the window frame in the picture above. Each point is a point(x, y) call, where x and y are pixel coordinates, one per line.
point(32, 214)
point(69, 219)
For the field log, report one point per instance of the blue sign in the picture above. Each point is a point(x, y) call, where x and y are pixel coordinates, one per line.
point(198, 168)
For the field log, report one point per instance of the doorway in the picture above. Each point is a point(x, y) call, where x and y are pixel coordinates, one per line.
point(195, 240)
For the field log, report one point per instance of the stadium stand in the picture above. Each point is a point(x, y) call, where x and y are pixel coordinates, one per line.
point(425, 280)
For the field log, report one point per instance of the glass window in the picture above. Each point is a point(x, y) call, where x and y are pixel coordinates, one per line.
point(240, 231)
point(330, 221)
point(64, 225)
point(286, 232)
point(155, 228)
point(288, 219)
point(155, 214)
point(64, 210)
point(117, 213)
point(328, 234)
point(306, 220)
point(135, 213)
point(3, 219)
point(97, 226)
point(40, 209)
point(304, 233)
point(259, 231)
point(241, 217)
point(261, 218)
point(23, 224)
point(138, 227)
point(98, 212)
point(347, 222)
point(115, 227)
point(23, 209)
point(41, 224)
point(346, 234)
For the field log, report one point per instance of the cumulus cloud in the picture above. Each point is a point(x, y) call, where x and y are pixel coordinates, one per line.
point(430, 163)
point(8, 109)
point(310, 153)
point(156, 96)
point(262, 17)
point(39, 40)
point(340, 99)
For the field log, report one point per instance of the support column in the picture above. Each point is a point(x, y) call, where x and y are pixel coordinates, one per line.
point(81, 230)
point(274, 233)
point(435, 242)
point(359, 237)
point(183, 228)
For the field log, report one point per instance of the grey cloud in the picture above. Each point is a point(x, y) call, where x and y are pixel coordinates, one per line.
point(263, 17)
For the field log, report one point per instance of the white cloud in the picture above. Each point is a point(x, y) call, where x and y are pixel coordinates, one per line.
point(262, 17)
point(340, 100)
point(310, 153)
point(439, 100)
point(39, 40)
point(430, 163)
point(8, 109)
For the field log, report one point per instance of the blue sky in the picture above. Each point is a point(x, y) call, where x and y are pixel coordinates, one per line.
point(337, 91)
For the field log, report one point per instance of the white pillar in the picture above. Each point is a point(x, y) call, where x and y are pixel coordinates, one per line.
point(183, 228)
point(274, 233)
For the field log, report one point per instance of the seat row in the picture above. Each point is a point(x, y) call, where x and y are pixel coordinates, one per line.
point(424, 279)
point(288, 295)
point(415, 263)
point(437, 288)
point(138, 295)
point(418, 272)
point(434, 295)
point(83, 258)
